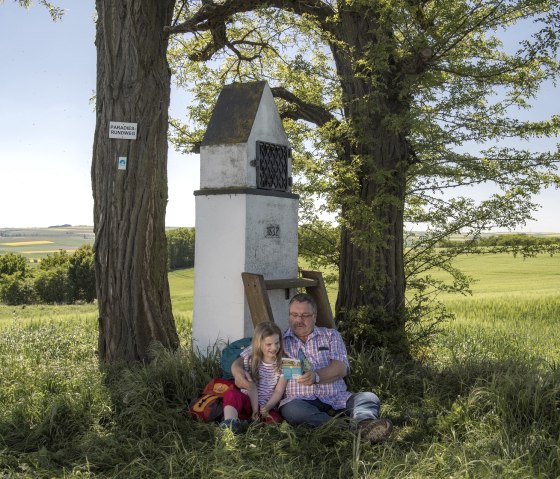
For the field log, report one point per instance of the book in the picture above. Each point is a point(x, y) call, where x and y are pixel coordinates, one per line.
point(291, 368)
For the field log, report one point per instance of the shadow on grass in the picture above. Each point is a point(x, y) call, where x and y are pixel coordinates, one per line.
point(478, 417)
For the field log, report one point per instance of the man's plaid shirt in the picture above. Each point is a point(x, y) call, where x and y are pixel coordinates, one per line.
point(322, 345)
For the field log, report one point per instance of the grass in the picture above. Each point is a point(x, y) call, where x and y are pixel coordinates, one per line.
point(514, 309)
point(181, 284)
point(506, 276)
point(484, 402)
point(45, 313)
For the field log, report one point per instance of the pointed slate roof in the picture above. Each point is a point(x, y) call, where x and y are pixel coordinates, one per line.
point(234, 114)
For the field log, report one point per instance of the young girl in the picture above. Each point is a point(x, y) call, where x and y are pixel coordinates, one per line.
point(263, 360)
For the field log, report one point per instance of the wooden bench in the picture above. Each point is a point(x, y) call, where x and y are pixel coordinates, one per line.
point(256, 292)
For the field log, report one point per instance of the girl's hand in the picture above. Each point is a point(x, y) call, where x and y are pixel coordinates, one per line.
point(255, 416)
point(264, 411)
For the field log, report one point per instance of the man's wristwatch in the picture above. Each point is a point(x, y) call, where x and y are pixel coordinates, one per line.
point(317, 378)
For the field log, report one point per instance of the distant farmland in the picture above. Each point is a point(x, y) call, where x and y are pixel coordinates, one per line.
point(36, 243)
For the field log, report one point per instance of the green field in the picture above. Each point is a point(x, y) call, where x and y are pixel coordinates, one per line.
point(482, 402)
point(515, 304)
point(506, 290)
point(36, 243)
point(505, 275)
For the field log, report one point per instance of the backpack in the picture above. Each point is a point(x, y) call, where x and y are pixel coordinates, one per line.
point(230, 353)
point(208, 407)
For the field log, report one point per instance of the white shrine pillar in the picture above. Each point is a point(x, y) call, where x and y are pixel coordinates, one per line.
point(246, 215)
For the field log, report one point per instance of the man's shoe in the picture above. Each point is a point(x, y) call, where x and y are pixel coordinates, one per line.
point(375, 430)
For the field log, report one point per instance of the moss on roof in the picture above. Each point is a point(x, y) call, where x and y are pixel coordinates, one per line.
point(234, 114)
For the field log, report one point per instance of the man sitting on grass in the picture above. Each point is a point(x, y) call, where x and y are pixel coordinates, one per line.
point(321, 388)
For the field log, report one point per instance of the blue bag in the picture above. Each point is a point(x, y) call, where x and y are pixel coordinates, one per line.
point(230, 353)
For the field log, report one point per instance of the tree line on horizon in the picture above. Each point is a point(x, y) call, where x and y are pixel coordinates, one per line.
point(64, 278)
point(68, 278)
point(506, 240)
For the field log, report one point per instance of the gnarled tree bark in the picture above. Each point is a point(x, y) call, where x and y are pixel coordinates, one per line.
point(133, 85)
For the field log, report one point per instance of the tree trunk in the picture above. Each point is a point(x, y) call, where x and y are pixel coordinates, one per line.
point(133, 85)
point(370, 302)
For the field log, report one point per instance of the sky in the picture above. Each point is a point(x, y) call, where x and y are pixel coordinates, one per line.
point(47, 123)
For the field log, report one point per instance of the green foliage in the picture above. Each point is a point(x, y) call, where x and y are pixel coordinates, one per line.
point(16, 288)
point(15, 284)
point(81, 274)
point(401, 112)
point(11, 263)
point(56, 259)
point(319, 245)
point(180, 248)
point(59, 278)
point(55, 12)
point(53, 285)
point(371, 326)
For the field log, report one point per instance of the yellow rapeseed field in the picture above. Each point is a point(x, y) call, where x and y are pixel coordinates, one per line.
point(26, 243)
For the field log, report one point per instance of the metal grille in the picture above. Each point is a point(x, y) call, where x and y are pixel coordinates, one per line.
point(272, 166)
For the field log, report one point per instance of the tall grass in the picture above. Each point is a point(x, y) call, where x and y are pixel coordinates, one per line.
point(506, 326)
point(483, 401)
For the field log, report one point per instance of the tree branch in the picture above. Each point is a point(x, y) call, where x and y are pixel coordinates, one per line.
point(212, 12)
point(219, 40)
point(302, 110)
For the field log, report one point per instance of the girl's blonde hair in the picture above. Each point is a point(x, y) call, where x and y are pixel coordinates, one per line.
point(262, 331)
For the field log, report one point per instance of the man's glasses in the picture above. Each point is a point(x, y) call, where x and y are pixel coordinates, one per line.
point(302, 316)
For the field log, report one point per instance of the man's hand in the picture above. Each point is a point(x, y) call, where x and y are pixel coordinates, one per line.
point(307, 379)
point(243, 379)
point(334, 371)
